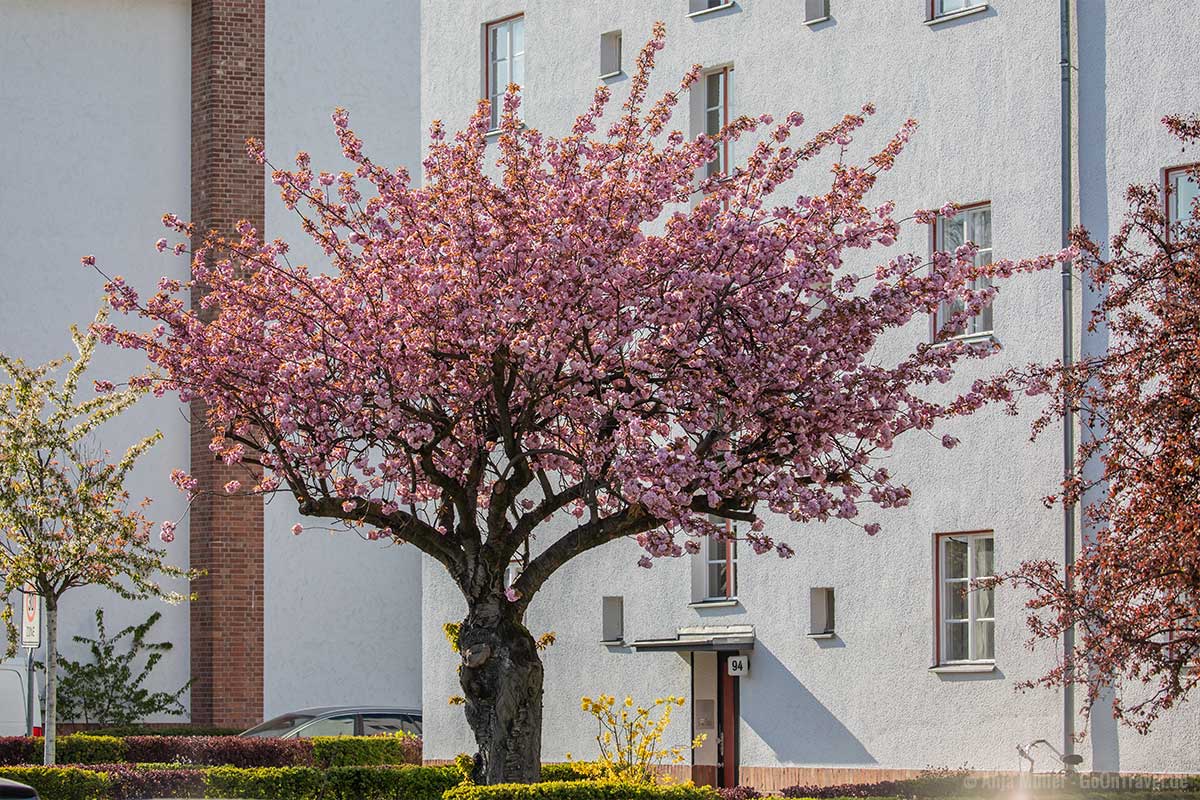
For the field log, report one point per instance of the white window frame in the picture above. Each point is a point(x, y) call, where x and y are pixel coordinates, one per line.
point(495, 67)
point(946, 585)
point(722, 77)
point(984, 323)
point(938, 9)
point(726, 555)
point(1175, 214)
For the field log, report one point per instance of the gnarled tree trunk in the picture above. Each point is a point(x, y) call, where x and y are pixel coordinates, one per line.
point(501, 677)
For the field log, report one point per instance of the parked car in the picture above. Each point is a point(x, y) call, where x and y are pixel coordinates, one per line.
point(339, 721)
point(14, 700)
point(17, 791)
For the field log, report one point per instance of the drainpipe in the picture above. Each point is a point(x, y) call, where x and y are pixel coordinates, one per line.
point(1068, 357)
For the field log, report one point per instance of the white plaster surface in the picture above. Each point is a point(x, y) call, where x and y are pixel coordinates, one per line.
point(94, 147)
point(985, 89)
point(342, 614)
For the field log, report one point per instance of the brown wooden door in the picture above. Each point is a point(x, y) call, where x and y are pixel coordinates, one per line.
point(727, 730)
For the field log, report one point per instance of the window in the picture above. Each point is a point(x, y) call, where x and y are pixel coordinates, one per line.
point(333, 726)
point(820, 611)
point(716, 115)
point(376, 724)
point(696, 7)
point(967, 617)
point(815, 11)
point(613, 619)
point(720, 557)
point(971, 224)
point(1182, 194)
point(940, 8)
point(610, 54)
point(505, 61)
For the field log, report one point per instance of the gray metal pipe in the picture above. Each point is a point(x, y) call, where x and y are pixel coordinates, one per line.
point(1068, 357)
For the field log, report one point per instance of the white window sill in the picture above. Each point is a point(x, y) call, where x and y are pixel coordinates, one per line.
point(608, 76)
point(494, 132)
point(964, 669)
point(613, 642)
point(818, 20)
point(969, 338)
point(726, 603)
point(953, 15)
point(712, 10)
point(829, 635)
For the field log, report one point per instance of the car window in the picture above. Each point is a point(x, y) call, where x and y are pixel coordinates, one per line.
point(279, 726)
point(331, 726)
point(374, 724)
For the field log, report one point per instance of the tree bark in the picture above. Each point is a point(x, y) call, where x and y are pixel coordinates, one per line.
point(501, 677)
point(50, 723)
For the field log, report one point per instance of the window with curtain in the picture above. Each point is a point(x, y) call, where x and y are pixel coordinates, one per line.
point(716, 114)
point(971, 224)
point(1182, 194)
point(505, 61)
point(967, 614)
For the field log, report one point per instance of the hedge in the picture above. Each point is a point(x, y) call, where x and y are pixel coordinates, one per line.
point(357, 751)
point(164, 730)
point(579, 790)
point(61, 783)
point(77, 748)
point(227, 751)
point(219, 751)
point(562, 772)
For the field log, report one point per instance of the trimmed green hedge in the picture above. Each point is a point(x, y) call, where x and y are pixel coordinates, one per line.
point(265, 783)
point(61, 783)
point(358, 751)
point(579, 790)
point(562, 772)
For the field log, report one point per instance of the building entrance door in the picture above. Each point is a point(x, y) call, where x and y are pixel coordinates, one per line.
point(715, 715)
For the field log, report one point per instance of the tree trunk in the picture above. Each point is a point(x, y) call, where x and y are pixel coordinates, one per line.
point(50, 722)
point(501, 677)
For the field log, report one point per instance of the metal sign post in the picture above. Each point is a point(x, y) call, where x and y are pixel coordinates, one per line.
point(31, 639)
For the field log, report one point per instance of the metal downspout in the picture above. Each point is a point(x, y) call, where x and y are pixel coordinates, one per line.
point(1068, 357)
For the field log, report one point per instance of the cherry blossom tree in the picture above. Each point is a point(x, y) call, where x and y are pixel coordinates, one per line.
point(65, 515)
point(1135, 590)
point(588, 340)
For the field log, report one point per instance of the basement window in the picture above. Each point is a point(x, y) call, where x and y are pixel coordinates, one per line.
point(613, 620)
point(815, 11)
point(820, 612)
point(610, 54)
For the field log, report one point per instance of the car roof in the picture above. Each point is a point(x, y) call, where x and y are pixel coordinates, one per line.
point(322, 711)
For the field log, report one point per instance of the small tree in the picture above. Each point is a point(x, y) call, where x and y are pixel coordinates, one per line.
point(599, 341)
point(65, 516)
point(1134, 593)
point(110, 689)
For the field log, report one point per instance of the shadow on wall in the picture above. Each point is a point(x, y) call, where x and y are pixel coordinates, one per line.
point(791, 721)
point(1091, 69)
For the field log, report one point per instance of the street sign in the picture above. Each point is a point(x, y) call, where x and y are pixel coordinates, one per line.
point(738, 666)
point(31, 618)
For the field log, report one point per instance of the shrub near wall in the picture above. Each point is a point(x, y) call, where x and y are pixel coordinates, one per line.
point(580, 790)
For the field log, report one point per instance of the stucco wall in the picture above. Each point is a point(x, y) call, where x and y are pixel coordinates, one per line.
point(93, 150)
point(1126, 87)
point(342, 614)
point(985, 89)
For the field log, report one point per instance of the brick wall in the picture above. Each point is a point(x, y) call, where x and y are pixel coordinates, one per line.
point(226, 533)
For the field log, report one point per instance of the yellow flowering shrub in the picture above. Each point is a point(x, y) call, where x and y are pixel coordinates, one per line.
point(631, 740)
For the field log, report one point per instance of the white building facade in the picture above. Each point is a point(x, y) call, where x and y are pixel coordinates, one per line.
point(857, 663)
point(858, 657)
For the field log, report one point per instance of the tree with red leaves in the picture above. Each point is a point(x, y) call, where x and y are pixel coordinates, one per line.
point(594, 340)
point(1134, 596)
